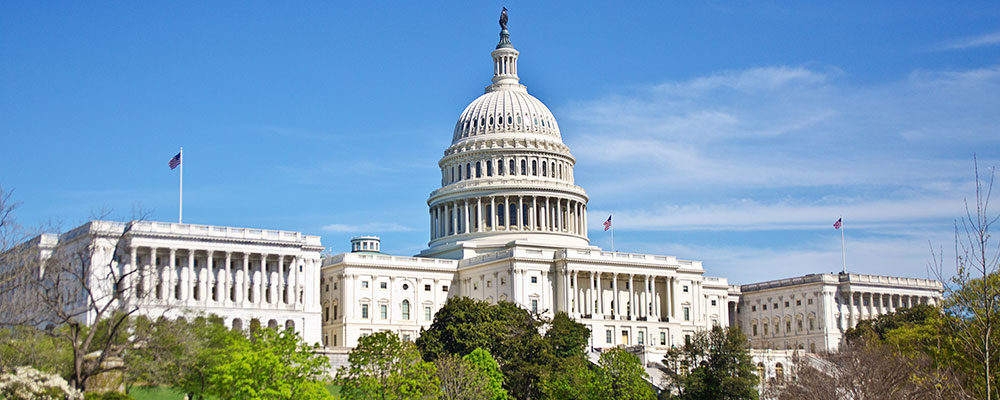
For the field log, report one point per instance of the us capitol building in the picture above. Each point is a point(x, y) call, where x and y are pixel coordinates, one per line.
point(508, 223)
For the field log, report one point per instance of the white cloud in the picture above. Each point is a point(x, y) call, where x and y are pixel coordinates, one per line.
point(367, 228)
point(987, 39)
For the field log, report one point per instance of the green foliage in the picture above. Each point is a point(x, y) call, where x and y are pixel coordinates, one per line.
point(566, 337)
point(507, 331)
point(269, 365)
point(460, 380)
point(621, 376)
point(877, 328)
point(718, 365)
point(30, 346)
point(179, 353)
point(482, 360)
point(573, 378)
point(383, 367)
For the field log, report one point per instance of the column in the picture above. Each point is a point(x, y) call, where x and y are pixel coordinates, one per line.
point(479, 214)
point(615, 295)
point(152, 277)
point(170, 284)
point(558, 222)
point(590, 309)
point(133, 272)
point(241, 293)
point(534, 214)
point(583, 210)
point(544, 216)
point(574, 293)
point(210, 278)
point(189, 276)
point(631, 297)
point(547, 302)
point(493, 215)
point(506, 213)
point(261, 286)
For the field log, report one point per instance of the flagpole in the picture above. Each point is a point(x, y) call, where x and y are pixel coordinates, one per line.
point(843, 249)
point(612, 238)
point(180, 200)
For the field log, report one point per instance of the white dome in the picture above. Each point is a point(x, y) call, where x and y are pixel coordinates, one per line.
point(504, 111)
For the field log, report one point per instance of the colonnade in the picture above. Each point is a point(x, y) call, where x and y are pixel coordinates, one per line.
point(627, 296)
point(222, 278)
point(854, 306)
point(501, 213)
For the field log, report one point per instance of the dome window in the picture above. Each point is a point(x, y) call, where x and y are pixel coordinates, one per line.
point(510, 120)
point(491, 120)
point(500, 167)
point(479, 170)
point(519, 120)
point(473, 124)
point(513, 166)
point(489, 168)
point(536, 121)
point(482, 122)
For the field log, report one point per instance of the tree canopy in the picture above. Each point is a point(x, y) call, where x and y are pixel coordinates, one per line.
point(714, 364)
point(384, 367)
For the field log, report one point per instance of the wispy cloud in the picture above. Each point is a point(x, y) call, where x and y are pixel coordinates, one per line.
point(986, 39)
point(370, 227)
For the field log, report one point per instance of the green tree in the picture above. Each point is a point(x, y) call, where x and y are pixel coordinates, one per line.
point(972, 293)
point(461, 380)
point(566, 337)
point(269, 365)
point(179, 353)
point(621, 376)
point(714, 364)
point(573, 378)
point(27, 346)
point(384, 367)
point(507, 331)
point(878, 328)
point(482, 360)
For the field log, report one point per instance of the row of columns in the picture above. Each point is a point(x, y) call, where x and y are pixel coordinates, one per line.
point(238, 281)
point(646, 301)
point(493, 214)
point(510, 166)
point(862, 305)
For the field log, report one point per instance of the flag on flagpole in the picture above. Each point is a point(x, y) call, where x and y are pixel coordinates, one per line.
point(607, 224)
point(174, 162)
point(836, 225)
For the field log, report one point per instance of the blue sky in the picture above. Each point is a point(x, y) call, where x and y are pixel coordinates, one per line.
point(734, 133)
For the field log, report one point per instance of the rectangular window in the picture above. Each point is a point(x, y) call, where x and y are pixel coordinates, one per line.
point(364, 284)
point(608, 336)
point(444, 288)
point(639, 339)
point(798, 302)
point(713, 302)
point(427, 288)
point(687, 313)
point(427, 313)
point(663, 338)
point(534, 306)
point(334, 312)
point(798, 325)
point(786, 304)
point(335, 286)
point(364, 311)
point(383, 311)
point(383, 285)
point(765, 307)
point(489, 283)
point(811, 327)
point(755, 329)
point(810, 301)
point(788, 326)
point(406, 337)
point(685, 288)
point(753, 308)
point(534, 279)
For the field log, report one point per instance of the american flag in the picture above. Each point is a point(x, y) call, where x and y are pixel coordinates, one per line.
point(836, 225)
point(174, 162)
point(607, 224)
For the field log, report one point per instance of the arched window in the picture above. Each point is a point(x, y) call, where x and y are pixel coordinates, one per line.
point(500, 167)
point(534, 167)
point(500, 216)
point(544, 171)
point(289, 324)
point(406, 310)
point(237, 324)
point(779, 372)
point(468, 171)
point(513, 214)
point(524, 215)
point(760, 371)
point(489, 220)
point(479, 170)
point(452, 174)
point(489, 168)
point(513, 167)
point(524, 167)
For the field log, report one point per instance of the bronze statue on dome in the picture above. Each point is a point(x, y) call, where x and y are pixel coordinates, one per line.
point(503, 19)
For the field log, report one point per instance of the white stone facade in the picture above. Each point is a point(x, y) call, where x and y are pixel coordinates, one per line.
point(243, 275)
point(812, 312)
